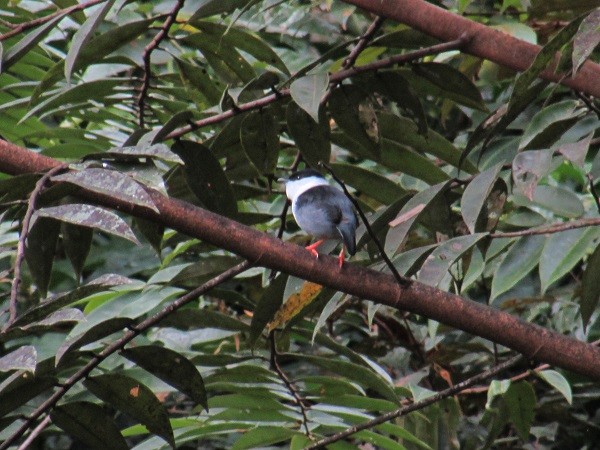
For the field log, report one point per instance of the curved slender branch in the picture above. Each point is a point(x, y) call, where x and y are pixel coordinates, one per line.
point(362, 42)
point(293, 390)
point(35, 433)
point(533, 341)
point(549, 229)
point(119, 344)
point(418, 405)
point(164, 30)
point(14, 291)
point(20, 28)
point(486, 42)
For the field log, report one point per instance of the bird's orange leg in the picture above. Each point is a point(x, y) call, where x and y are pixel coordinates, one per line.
point(341, 257)
point(313, 247)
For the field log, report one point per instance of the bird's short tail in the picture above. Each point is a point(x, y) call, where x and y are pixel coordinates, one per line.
point(348, 237)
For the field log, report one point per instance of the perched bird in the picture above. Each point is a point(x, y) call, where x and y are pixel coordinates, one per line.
point(321, 210)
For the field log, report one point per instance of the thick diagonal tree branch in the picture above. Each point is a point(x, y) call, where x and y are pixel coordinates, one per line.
point(533, 341)
point(484, 42)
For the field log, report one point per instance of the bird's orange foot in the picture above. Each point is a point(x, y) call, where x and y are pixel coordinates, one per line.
point(313, 248)
point(341, 258)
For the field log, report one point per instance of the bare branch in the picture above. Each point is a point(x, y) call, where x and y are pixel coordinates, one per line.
point(264, 250)
point(418, 405)
point(35, 433)
point(164, 30)
point(274, 362)
point(487, 43)
point(555, 228)
point(362, 42)
point(42, 20)
point(14, 291)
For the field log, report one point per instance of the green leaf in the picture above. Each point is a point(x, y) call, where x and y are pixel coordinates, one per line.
point(24, 358)
point(92, 334)
point(40, 248)
point(352, 112)
point(17, 51)
point(590, 287)
point(213, 7)
point(576, 151)
point(475, 195)
point(369, 183)
point(23, 388)
point(226, 61)
point(528, 168)
point(83, 35)
point(408, 215)
point(520, 259)
point(455, 85)
point(77, 242)
point(560, 201)
point(394, 86)
point(563, 251)
point(404, 132)
point(134, 399)
point(90, 423)
point(245, 41)
point(586, 39)
point(558, 382)
point(262, 436)
point(259, 135)
point(266, 308)
point(96, 49)
point(198, 77)
point(205, 177)
point(156, 151)
point(187, 319)
point(399, 157)
point(171, 367)
point(308, 92)
point(54, 303)
point(89, 216)
point(311, 138)
point(438, 263)
point(545, 121)
point(520, 400)
point(358, 373)
point(109, 182)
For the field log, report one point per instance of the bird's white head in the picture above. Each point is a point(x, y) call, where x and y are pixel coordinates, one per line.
point(301, 181)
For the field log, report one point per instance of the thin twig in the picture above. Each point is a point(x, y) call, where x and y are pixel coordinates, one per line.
point(402, 281)
point(118, 345)
point(355, 53)
point(362, 42)
point(290, 386)
point(588, 102)
point(335, 78)
point(594, 191)
point(35, 433)
point(14, 291)
point(42, 20)
point(418, 405)
point(164, 30)
point(555, 228)
point(521, 376)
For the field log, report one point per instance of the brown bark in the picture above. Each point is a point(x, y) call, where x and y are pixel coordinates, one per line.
point(261, 249)
point(485, 42)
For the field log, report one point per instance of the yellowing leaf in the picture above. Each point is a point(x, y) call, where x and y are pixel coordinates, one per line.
point(295, 303)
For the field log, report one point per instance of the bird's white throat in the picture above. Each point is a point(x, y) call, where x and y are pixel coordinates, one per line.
point(295, 188)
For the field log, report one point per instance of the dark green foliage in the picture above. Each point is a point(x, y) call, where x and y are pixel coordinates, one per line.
point(440, 154)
